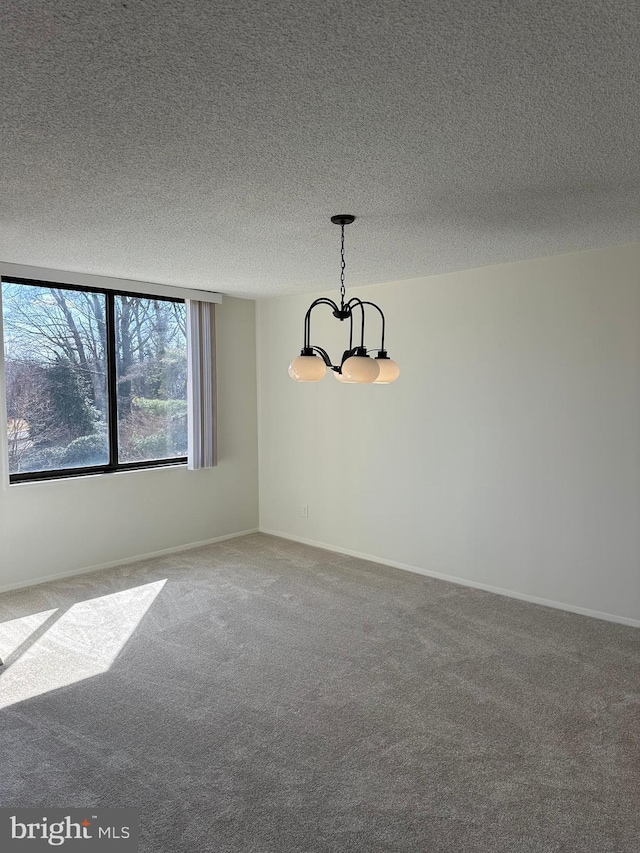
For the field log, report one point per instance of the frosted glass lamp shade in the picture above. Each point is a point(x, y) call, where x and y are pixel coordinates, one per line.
point(307, 368)
point(389, 371)
point(360, 368)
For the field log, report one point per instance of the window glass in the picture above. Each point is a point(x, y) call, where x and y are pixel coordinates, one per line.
point(55, 364)
point(94, 380)
point(151, 369)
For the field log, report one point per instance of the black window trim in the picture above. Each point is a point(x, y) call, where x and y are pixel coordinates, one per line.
point(112, 467)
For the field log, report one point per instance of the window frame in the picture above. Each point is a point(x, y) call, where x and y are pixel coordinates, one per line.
point(113, 466)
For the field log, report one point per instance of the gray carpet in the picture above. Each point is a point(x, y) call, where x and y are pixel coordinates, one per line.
point(259, 696)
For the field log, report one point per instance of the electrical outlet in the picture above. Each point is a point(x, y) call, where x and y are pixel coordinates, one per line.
point(305, 510)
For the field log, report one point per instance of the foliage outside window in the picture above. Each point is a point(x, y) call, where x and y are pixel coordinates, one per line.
point(96, 380)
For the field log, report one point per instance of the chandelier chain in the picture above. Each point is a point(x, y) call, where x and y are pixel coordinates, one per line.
point(342, 266)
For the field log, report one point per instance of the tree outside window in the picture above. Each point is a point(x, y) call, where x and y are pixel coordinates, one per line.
point(57, 367)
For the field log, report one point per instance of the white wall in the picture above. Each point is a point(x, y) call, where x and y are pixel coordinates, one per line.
point(508, 452)
point(61, 526)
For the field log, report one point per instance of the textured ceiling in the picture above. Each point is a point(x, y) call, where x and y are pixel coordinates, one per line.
point(207, 143)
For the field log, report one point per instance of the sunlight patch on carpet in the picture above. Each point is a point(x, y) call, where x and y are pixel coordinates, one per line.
point(15, 632)
point(83, 642)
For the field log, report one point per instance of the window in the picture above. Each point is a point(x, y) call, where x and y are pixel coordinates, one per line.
point(96, 380)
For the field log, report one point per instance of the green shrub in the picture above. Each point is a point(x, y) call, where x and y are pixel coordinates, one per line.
point(43, 459)
point(160, 408)
point(86, 450)
point(151, 446)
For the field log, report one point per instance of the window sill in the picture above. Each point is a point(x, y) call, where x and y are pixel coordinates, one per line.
point(84, 474)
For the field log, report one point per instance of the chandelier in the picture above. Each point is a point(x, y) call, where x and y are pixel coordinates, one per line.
point(356, 365)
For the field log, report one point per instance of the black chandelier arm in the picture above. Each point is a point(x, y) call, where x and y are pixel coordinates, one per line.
point(324, 355)
point(350, 305)
point(347, 312)
point(350, 329)
point(323, 300)
point(382, 317)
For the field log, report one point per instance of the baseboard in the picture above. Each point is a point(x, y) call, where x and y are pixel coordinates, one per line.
point(125, 561)
point(558, 605)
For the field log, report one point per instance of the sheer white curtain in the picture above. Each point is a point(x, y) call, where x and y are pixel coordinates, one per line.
point(201, 348)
